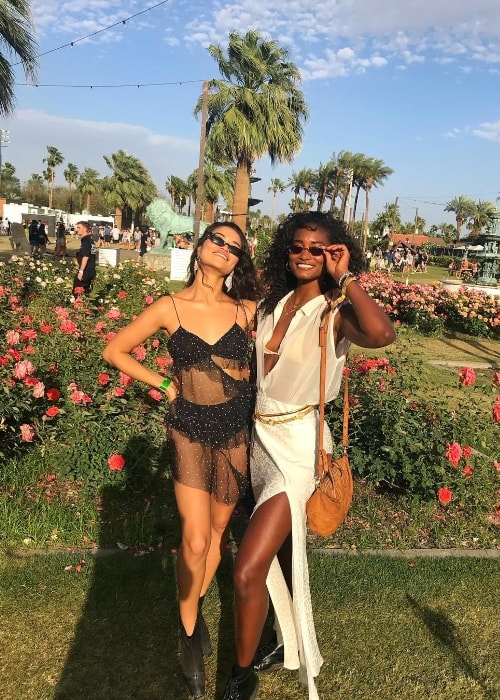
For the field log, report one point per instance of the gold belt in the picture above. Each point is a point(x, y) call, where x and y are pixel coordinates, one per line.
point(277, 418)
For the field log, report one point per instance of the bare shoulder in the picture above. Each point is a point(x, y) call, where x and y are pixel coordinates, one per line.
point(250, 308)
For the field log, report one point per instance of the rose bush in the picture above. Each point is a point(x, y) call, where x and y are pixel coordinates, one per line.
point(430, 308)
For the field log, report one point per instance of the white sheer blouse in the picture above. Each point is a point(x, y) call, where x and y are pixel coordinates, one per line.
point(294, 379)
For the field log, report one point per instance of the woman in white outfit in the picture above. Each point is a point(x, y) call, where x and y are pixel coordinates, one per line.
point(310, 263)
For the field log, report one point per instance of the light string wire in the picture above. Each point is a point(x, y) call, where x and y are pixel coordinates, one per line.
point(98, 31)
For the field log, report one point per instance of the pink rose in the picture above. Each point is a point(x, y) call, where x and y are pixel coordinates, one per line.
point(467, 376)
point(453, 453)
point(27, 432)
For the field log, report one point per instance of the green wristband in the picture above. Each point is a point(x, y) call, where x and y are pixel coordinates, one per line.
point(165, 384)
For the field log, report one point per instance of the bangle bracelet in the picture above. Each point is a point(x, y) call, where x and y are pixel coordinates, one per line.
point(165, 384)
point(345, 277)
point(347, 283)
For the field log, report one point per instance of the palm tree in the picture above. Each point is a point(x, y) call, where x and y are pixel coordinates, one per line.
point(276, 186)
point(217, 182)
point(375, 173)
point(129, 189)
point(16, 38)
point(322, 180)
point(482, 215)
point(303, 180)
point(53, 159)
point(87, 185)
point(71, 176)
point(461, 207)
point(255, 109)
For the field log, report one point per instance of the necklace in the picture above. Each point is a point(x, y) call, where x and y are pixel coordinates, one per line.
point(293, 308)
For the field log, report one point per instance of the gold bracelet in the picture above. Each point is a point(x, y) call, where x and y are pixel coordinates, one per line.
point(347, 283)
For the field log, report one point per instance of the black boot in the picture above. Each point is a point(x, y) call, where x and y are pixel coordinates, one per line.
point(206, 644)
point(243, 685)
point(269, 656)
point(193, 668)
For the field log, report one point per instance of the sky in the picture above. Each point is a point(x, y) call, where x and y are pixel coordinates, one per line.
point(414, 83)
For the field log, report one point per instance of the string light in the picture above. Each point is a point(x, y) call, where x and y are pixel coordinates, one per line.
point(120, 85)
point(99, 31)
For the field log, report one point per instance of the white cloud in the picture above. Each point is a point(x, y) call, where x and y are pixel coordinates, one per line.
point(488, 130)
point(84, 142)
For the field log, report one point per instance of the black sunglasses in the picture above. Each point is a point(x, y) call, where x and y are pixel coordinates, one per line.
point(218, 240)
point(315, 250)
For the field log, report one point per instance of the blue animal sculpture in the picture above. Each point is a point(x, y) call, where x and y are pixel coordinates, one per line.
point(168, 223)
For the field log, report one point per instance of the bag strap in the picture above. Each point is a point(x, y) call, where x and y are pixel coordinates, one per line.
point(323, 329)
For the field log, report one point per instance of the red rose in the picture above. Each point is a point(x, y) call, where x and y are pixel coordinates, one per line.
point(52, 411)
point(103, 379)
point(116, 463)
point(53, 394)
point(444, 495)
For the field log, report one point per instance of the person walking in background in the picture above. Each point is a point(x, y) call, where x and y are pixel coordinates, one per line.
point(144, 243)
point(60, 250)
point(33, 236)
point(86, 259)
point(42, 237)
point(311, 263)
point(211, 402)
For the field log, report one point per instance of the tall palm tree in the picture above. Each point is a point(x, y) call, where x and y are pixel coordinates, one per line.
point(255, 109)
point(71, 174)
point(301, 181)
point(129, 189)
point(53, 159)
point(217, 182)
point(87, 185)
point(179, 192)
point(323, 179)
point(277, 185)
point(16, 39)
point(462, 207)
point(375, 173)
point(482, 215)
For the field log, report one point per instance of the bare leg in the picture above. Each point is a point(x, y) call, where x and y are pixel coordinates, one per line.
point(267, 531)
point(220, 516)
point(196, 521)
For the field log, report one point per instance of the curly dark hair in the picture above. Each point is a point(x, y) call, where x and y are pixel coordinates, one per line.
point(276, 278)
point(245, 284)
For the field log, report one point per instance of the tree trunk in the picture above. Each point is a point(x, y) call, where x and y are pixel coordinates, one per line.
point(118, 218)
point(209, 212)
point(241, 194)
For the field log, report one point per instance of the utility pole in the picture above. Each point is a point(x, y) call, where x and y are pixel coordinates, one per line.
point(4, 141)
point(201, 163)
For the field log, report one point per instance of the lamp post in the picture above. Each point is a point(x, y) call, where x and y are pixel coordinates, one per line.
point(4, 141)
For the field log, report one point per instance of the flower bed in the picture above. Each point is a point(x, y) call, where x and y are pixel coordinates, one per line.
point(72, 427)
point(430, 309)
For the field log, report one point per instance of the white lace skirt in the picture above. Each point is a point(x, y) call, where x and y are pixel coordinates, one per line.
point(282, 459)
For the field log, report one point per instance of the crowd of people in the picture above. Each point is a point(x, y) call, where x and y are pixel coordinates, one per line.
point(401, 258)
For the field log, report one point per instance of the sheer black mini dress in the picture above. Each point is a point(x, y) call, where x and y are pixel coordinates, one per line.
point(209, 420)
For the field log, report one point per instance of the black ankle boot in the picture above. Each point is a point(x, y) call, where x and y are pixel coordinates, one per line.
point(269, 656)
point(193, 668)
point(242, 685)
point(206, 644)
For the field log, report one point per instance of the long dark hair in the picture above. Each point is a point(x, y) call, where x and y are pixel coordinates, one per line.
point(277, 280)
point(244, 283)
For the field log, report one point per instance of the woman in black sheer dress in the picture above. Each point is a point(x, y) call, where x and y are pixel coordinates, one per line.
point(211, 401)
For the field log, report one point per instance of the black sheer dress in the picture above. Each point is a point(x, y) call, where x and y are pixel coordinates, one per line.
point(209, 421)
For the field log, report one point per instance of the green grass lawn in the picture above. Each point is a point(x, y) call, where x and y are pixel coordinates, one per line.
point(388, 629)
